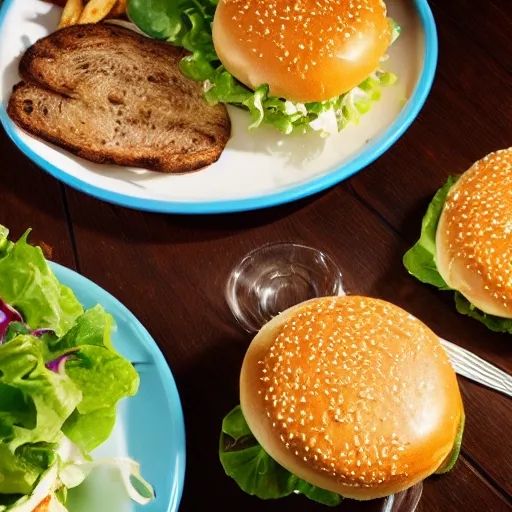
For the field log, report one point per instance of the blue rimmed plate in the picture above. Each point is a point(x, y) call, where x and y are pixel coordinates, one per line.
point(150, 427)
point(257, 169)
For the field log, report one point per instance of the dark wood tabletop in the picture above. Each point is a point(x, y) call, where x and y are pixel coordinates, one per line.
point(170, 271)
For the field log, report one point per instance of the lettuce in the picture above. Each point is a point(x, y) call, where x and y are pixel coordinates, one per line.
point(30, 502)
point(69, 472)
point(34, 404)
point(60, 379)
point(256, 473)
point(28, 285)
point(187, 23)
point(93, 364)
point(493, 323)
point(454, 455)
point(420, 261)
point(104, 378)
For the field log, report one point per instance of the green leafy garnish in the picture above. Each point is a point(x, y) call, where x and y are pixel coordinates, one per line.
point(255, 471)
point(59, 385)
point(187, 23)
point(104, 378)
point(34, 404)
point(452, 459)
point(420, 261)
point(28, 285)
point(493, 323)
point(91, 328)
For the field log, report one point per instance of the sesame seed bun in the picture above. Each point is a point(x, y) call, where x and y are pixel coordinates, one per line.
point(305, 50)
point(474, 235)
point(353, 395)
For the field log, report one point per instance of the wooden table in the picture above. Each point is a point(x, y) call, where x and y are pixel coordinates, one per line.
point(171, 271)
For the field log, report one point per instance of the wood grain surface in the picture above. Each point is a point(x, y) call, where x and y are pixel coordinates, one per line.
point(170, 271)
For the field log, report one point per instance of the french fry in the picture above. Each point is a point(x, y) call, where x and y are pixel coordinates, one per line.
point(119, 9)
point(71, 13)
point(96, 10)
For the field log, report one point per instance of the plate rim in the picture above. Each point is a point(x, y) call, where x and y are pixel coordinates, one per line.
point(294, 193)
point(168, 382)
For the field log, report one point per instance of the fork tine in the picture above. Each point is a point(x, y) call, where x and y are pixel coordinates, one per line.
point(465, 356)
point(478, 368)
point(471, 366)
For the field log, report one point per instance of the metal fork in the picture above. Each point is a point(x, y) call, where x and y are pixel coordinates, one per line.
point(464, 363)
point(475, 368)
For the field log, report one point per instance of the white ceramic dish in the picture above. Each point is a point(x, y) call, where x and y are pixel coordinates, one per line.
point(257, 169)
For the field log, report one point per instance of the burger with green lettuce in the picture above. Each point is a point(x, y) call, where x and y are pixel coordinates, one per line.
point(298, 66)
point(342, 397)
point(466, 241)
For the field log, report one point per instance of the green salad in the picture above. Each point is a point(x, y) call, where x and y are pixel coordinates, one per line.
point(187, 23)
point(420, 261)
point(60, 382)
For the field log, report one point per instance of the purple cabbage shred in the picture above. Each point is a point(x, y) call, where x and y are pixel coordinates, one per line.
point(58, 365)
point(40, 332)
point(7, 315)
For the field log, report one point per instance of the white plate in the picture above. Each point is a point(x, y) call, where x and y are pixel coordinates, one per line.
point(257, 169)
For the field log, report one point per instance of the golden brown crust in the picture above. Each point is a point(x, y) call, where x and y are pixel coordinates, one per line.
point(110, 95)
point(306, 50)
point(178, 163)
point(351, 394)
point(474, 235)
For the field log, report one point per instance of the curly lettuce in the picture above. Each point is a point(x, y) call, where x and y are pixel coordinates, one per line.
point(420, 261)
point(28, 285)
point(187, 23)
point(256, 473)
point(60, 382)
point(454, 455)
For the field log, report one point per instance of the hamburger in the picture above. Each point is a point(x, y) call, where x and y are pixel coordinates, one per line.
point(342, 397)
point(304, 51)
point(466, 241)
point(297, 65)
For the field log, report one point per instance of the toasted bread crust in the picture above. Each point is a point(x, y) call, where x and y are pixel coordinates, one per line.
point(179, 163)
point(110, 95)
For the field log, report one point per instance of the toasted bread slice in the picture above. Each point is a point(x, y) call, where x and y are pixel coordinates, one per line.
point(110, 95)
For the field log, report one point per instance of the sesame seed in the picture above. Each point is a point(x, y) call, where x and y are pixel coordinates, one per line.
point(343, 386)
point(476, 214)
point(298, 25)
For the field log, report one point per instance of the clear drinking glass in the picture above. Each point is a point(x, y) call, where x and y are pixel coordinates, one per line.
point(279, 275)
